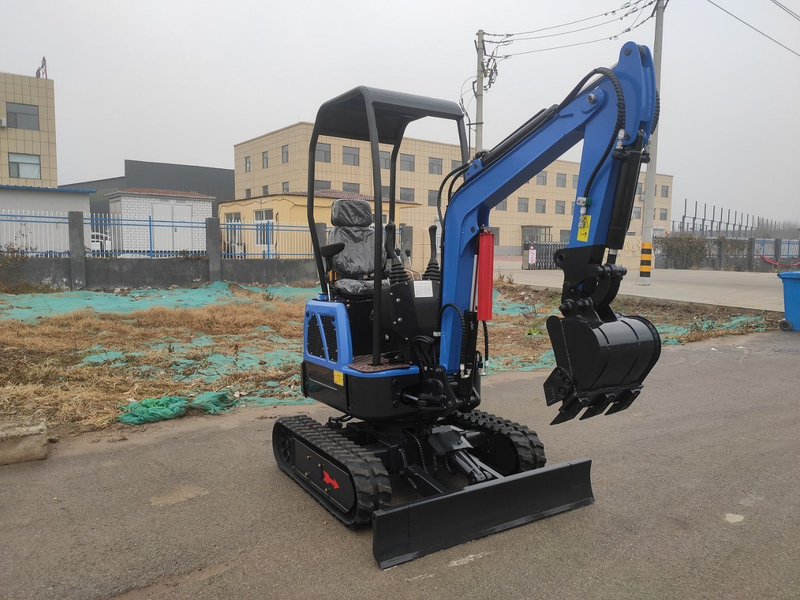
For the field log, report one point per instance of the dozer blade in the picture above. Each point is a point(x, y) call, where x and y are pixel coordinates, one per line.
point(424, 526)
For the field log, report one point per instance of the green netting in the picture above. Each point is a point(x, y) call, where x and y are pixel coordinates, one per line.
point(151, 410)
point(29, 307)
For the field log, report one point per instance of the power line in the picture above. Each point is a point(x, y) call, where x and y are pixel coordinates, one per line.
point(597, 16)
point(549, 35)
point(602, 39)
point(753, 28)
point(786, 9)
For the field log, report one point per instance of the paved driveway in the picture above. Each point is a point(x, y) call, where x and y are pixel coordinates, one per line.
point(762, 291)
point(697, 489)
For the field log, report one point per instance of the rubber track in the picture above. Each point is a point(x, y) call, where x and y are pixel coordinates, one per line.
point(530, 450)
point(370, 479)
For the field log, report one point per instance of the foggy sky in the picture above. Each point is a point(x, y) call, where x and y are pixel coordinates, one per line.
point(184, 81)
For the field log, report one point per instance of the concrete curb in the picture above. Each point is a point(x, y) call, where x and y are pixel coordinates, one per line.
point(22, 443)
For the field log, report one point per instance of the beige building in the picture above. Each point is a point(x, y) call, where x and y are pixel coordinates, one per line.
point(27, 132)
point(541, 210)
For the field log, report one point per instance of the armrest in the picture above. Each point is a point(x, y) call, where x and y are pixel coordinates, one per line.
point(331, 250)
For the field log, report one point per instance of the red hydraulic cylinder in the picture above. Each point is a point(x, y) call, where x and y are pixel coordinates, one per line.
point(485, 275)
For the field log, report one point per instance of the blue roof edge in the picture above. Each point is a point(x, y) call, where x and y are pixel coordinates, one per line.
point(46, 189)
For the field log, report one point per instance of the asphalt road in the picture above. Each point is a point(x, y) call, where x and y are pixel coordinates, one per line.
point(696, 491)
point(761, 291)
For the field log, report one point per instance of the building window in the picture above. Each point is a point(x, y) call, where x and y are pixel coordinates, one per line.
point(522, 204)
point(322, 153)
point(454, 164)
point(541, 206)
point(321, 184)
point(639, 188)
point(265, 190)
point(665, 191)
point(563, 237)
point(349, 156)
point(24, 166)
point(496, 232)
point(541, 178)
point(561, 180)
point(262, 215)
point(22, 116)
point(432, 197)
point(572, 208)
point(385, 192)
point(386, 159)
point(265, 160)
point(503, 205)
point(407, 194)
point(561, 207)
point(246, 164)
point(247, 193)
point(574, 182)
point(434, 165)
point(406, 162)
point(662, 215)
point(285, 154)
point(637, 212)
point(233, 217)
point(285, 187)
point(351, 187)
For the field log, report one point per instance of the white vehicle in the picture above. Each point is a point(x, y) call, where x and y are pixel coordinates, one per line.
point(100, 242)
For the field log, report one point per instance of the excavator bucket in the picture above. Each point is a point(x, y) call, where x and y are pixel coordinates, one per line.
point(599, 365)
point(437, 522)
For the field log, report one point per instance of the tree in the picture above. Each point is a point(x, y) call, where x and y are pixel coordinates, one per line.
point(683, 250)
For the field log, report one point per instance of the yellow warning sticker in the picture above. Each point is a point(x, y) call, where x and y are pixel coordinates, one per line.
point(583, 228)
point(338, 378)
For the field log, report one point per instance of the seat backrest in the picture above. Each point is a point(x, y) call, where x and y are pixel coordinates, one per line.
point(351, 220)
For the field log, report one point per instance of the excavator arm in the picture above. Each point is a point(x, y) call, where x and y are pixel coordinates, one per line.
point(602, 357)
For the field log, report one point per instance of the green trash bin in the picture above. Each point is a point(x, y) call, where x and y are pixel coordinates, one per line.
point(791, 300)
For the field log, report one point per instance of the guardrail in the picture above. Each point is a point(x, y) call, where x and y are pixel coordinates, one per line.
point(265, 239)
point(34, 233)
point(111, 236)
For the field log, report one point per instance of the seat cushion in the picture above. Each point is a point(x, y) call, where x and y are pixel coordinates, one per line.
point(355, 288)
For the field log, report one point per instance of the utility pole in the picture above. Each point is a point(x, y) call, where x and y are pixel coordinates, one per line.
point(646, 262)
point(479, 94)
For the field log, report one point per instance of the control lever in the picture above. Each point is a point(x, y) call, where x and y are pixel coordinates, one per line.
point(432, 272)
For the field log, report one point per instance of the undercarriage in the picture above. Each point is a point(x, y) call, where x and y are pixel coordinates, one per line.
point(353, 468)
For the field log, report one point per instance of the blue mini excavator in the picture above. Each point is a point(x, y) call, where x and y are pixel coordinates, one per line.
point(399, 357)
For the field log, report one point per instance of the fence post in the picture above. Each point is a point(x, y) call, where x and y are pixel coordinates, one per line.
point(778, 244)
point(213, 249)
point(751, 254)
point(77, 251)
point(722, 249)
point(150, 232)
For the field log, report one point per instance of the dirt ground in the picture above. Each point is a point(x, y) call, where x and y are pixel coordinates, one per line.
point(79, 369)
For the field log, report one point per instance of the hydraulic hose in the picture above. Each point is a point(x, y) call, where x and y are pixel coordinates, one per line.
point(463, 349)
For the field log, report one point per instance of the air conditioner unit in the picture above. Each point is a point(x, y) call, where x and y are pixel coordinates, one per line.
point(3, 122)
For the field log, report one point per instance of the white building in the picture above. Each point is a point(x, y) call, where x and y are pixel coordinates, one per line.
point(34, 219)
point(158, 220)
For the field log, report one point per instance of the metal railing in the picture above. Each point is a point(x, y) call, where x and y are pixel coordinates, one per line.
point(112, 236)
point(34, 233)
point(265, 239)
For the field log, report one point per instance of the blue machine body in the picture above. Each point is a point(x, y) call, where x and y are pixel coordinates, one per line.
point(340, 358)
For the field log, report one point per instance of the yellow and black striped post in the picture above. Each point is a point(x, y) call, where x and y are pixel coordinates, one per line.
point(646, 262)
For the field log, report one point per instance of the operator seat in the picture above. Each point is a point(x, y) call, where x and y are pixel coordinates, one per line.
point(351, 220)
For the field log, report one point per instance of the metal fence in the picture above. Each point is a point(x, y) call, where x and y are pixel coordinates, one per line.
point(539, 256)
point(266, 239)
point(788, 249)
point(145, 238)
point(35, 233)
